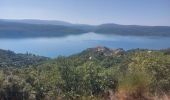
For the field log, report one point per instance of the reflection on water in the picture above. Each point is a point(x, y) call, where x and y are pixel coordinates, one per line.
point(68, 45)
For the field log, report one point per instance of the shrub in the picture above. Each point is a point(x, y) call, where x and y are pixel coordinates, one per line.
point(134, 85)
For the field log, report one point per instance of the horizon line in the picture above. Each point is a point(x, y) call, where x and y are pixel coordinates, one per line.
point(77, 23)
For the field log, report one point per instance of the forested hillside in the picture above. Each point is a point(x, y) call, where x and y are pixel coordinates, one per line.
point(11, 59)
point(95, 74)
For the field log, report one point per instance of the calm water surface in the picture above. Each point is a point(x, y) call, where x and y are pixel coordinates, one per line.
point(53, 47)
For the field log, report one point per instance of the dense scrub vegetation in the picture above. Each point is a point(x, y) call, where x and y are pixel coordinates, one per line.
point(95, 74)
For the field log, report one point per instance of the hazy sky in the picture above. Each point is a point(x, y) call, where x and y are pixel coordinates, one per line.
point(141, 12)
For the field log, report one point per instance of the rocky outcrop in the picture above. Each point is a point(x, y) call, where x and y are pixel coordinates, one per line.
point(106, 51)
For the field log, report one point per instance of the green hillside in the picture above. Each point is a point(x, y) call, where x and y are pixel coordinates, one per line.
point(95, 74)
point(11, 59)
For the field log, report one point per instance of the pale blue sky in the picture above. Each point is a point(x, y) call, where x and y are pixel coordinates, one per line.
point(141, 12)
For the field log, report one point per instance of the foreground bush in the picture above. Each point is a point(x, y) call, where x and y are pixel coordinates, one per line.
point(134, 86)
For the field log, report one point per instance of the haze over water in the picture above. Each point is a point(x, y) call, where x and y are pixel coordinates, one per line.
point(65, 46)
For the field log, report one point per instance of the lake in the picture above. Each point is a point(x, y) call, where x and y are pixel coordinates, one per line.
point(64, 46)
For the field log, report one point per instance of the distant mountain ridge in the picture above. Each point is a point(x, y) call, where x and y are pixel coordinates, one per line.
point(38, 21)
point(51, 28)
point(136, 30)
point(9, 29)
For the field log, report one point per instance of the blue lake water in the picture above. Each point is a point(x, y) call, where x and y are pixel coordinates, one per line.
point(53, 47)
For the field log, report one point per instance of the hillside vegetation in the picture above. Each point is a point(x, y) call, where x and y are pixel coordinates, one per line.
point(10, 59)
point(95, 74)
